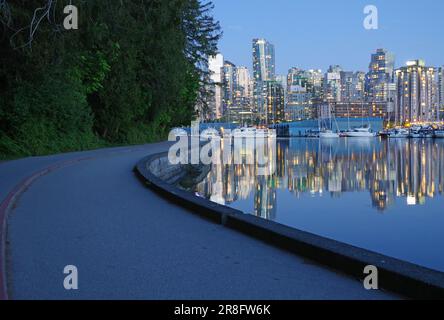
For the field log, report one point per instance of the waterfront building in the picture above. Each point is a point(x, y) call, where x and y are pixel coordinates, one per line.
point(355, 110)
point(229, 86)
point(415, 93)
point(380, 75)
point(242, 97)
point(300, 92)
point(243, 81)
point(441, 92)
point(215, 67)
point(237, 107)
point(380, 86)
point(274, 104)
point(263, 70)
point(316, 80)
point(332, 84)
point(352, 86)
point(283, 81)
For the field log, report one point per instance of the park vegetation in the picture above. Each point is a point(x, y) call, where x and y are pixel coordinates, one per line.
point(131, 71)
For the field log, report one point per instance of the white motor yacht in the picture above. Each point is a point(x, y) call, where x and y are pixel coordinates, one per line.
point(399, 133)
point(360, 132)
point(439, 133)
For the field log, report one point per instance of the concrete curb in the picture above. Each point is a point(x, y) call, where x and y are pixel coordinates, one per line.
point(397, 276)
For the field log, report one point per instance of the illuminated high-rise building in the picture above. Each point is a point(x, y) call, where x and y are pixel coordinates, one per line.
point(415, 97)
point(315, 78)
point(236, 93)
point(263, 70)
point(381, 68)
point(332, 84)
point(243, 81)
point(215, 66)
point(274, 104)
point(352, 86)
point(441, 92)
point(229, 86)
point(299, 95)
point(242, 109)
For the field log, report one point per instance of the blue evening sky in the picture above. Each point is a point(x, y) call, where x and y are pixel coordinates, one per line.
point(314, 34)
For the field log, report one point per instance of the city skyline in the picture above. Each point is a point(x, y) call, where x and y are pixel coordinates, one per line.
point(403, 95)
point(338, 31)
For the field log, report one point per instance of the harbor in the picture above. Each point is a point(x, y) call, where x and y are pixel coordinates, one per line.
point(384, 195)
point(342, 128)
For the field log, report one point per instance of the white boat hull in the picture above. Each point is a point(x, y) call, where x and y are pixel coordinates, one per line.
point(360, 135)
point(398, 136)
point(328, 135)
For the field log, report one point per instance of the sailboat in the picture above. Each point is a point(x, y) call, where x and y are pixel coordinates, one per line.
point(327, 133)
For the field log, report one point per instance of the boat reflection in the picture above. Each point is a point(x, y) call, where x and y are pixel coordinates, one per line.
point(390, 171)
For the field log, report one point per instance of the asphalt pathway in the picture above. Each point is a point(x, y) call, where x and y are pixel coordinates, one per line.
point(89, 210)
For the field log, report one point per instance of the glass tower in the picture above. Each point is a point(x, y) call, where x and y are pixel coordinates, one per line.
point(263, 70)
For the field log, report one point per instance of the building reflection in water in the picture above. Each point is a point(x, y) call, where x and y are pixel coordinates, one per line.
point(407, 170)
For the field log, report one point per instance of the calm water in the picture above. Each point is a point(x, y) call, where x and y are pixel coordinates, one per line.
point(384, 196)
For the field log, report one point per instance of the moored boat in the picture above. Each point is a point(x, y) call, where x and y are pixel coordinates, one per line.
point(328, 134)
point(312, 133)
point(399, 133)
point(439, 133)
point(415, 133)
point(427, 133)
point(360, 132)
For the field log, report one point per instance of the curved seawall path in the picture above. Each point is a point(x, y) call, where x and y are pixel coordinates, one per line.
point(89, 210)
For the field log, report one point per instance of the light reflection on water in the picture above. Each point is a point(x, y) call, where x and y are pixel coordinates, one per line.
point(385, 196)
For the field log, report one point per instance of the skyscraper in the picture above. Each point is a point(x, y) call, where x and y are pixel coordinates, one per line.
point(316, 81)
point(263, 70)
point(415, 93)
point(380, 76)
point(215, 66)
point(441, 92)
point(352, 86)
point(243, 80)
point(242, 109)
point(332, 84)
point(229, 86)
point(299, 95)
point(274, 104)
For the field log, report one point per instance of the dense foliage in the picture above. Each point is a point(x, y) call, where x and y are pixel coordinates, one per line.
point(133, 70)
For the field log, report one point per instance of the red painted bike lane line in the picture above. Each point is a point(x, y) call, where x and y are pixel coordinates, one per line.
point(12, 198)
point(9, 202)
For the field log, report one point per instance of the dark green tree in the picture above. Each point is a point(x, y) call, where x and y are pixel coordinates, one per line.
point(133, 70)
